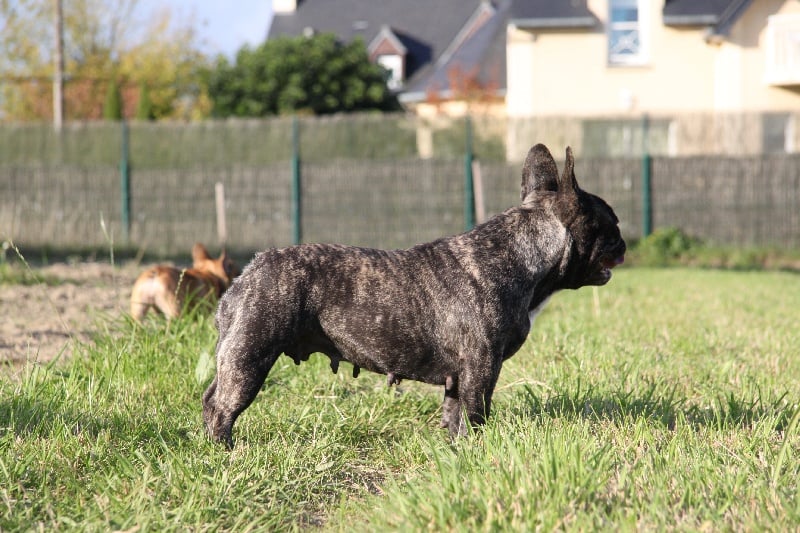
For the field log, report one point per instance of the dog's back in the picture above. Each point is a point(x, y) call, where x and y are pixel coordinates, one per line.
point(169, 289)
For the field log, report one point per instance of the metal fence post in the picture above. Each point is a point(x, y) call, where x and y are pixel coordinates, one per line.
point(647, 174)
point(469, 186)
point(297, 234)
point(125, 183)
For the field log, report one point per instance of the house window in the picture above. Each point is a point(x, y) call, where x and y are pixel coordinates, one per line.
point(625, 45)
point(393, 63)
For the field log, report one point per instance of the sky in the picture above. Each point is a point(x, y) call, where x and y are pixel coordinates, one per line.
point(223, 26)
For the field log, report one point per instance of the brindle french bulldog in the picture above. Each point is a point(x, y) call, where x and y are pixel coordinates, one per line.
point(447, 312)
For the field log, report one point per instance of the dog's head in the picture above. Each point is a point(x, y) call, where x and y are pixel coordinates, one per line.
point(222, 267)
point(595, 243)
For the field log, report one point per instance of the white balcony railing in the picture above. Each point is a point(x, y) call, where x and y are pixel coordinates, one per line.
point(782, 48)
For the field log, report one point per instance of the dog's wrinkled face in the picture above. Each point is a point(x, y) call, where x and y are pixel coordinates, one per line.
point(593, 228)
point(595, 232)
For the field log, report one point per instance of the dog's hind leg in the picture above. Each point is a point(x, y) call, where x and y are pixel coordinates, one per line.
point(141, 298)
point(242, 368)
point(169, 304)
point(139, 309)
point(450, 409)
point(475, 387)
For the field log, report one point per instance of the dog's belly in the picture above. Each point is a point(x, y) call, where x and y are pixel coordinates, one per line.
point(309, 342)
point(383, 347)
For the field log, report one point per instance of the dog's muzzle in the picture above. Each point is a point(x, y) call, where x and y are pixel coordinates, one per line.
point(602, 274)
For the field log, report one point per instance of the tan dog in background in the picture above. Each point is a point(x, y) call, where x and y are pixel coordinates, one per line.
point(168, 289)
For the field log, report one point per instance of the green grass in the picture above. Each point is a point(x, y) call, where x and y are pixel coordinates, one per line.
point(665, 400)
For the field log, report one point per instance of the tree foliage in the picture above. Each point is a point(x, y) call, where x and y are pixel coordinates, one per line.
point(112, 108)
point(315, 74)
point(167, 60)
point(144, 108)
point(104, 40)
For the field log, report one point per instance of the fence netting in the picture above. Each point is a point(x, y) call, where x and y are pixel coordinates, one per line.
point(377, 180)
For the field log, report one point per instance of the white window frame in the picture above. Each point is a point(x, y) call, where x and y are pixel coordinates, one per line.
point(639, 56)
point(393, 63)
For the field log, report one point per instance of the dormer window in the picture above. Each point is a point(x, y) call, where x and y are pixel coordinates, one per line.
point(393, 63)
point(387, 50)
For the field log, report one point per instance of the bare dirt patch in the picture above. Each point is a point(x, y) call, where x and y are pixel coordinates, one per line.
point(39, 322)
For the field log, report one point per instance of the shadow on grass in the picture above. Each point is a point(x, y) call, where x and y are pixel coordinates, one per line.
point(29, 418)
point(660, 407)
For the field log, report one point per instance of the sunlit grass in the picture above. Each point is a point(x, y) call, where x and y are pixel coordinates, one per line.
point(667, 399)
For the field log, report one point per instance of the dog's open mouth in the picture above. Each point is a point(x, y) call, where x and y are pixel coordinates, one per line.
point(603, 274)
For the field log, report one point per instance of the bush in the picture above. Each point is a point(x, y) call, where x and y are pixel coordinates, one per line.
point(319, 75)
point(665, 246)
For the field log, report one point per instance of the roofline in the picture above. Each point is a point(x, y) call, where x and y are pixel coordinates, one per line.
point(411, 97)
point(460, 37)
point(414, 97)
point(729, 17)
point(690, 20)
point(389, 35)
point(554, 22)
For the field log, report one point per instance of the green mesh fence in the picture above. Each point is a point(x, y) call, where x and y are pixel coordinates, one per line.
point(382, 180)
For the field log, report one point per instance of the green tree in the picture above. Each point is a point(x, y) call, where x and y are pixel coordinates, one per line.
point(167, 60)
point(112, 108)
point(25, 64)
point(317, 74)
point(103, 40)
point(144, 108)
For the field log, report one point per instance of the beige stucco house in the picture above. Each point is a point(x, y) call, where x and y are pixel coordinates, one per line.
point(711, 75)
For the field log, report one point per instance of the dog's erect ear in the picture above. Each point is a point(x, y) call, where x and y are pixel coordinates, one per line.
point(230, 268)
point(568, 181)
point(539, 173)
point(199, 253)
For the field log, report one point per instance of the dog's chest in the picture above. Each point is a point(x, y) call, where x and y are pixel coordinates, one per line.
point(533, 313)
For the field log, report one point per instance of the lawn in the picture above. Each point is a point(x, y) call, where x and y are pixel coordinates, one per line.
point(664, 400)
